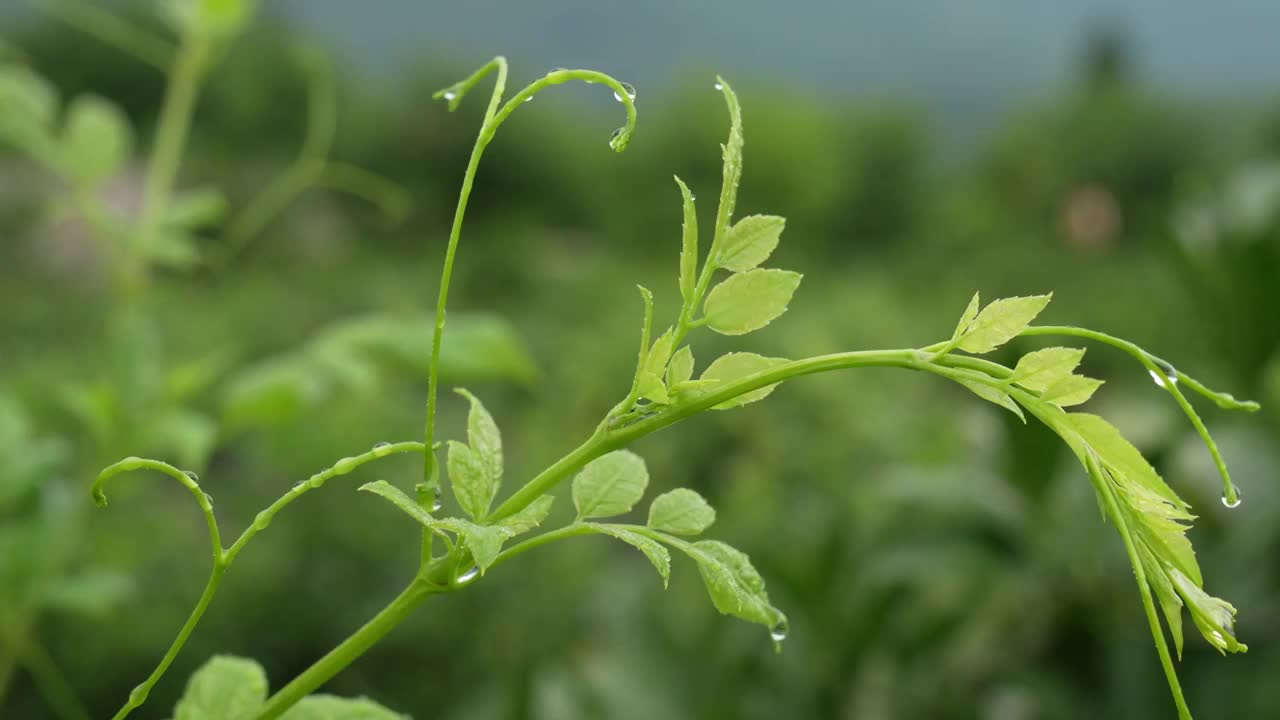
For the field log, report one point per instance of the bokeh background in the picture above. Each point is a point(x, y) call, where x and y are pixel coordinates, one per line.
point(937, 558)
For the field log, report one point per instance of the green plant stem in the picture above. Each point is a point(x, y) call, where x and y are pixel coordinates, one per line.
point(342, 467)
point(572, 530)
point(455, 232)
point(166, 153)
point(493, 119)
point(139, 694)
point(604, 441)
point(350, 649)
point(222, 559)
point(1107, 493)
point(1172, 377)
point(110, 30)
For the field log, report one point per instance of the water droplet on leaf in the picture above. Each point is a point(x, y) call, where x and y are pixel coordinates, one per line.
point(262, 520)
point(615, 138)
point(719, 85)
point(191, 474)
point(317, 480)
point(449, 95)
point(779, 631)
point(138, 695)
point(467, 576)
point(528, 98)
point(208, 499)
point(1155, 377)
point(438, 502)
point(299, 485)
point(628, 89)
point(381, 449)
point(558, 69)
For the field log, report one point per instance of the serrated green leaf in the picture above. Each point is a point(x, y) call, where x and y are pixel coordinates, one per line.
point(680, 368)
point(530, 517)
point(688, 245)
point(1118, 453)
point(1001, 321)
point(1042, 368)
point(483, 436)
point(735, 366)
point(1170, 603)
point(475, 469)
point(656, 361)
point(994, 395)
point(96, 141)
point(966, 319)
point(1214, 618)
point(731, 151)
point(1071, 390)
point(484, 542)
point(330, 707)
point(658, 555)
point(733, 583)
point(750, 242)
point(748, 301)
point(469, 480)
point(224, 688)
point(681, 512)
point(396, 496)
point(652, 388)
point(1158, 513)
point(610, 485)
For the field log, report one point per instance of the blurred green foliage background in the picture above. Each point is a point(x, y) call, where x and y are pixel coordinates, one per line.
point(937, 558)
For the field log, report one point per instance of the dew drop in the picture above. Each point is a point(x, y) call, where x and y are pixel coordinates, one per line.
point(629, 89)
point(381, 449)
point(191, 474)
point(528, 98)
point(449, 95)
point(438, 502)
point(719, 85)
point(208, 499)
point(467, 576)
point(344, 466)
point(779, 631)
point(299, 485)
point(1155, 377)
point(317, 480)
point(138, 695)
point(262, 520)
point(1226, 502)
point(615, 138)
point(557, 69)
